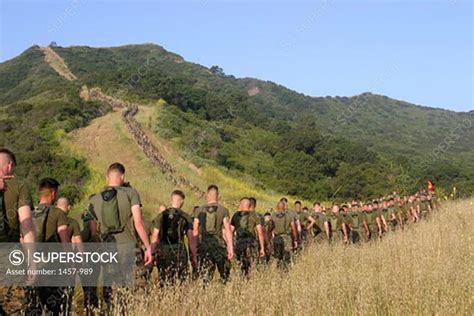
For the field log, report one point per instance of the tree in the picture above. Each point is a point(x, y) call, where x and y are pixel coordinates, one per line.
point(217, 70)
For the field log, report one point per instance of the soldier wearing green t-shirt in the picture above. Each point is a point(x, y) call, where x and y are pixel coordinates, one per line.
point(392, 220)
point(15, 223)
point(51, 226)
point(74, 236)
point(170, 228)
point(249, 239)
point(89, 234)
point(373, 221)
point(384, 216)
point(337, 224)
point(285, 235)
point(425, 207)
point(359, 230)
point(74, 230)
point(321, 229)
point(117, 211)
point(214, 234)
point(306, 222)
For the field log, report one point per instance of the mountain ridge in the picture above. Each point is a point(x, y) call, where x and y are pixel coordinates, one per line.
point(257, 128)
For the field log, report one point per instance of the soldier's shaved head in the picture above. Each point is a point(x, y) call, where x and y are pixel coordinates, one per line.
point(7, 161)
point(64, 204)
point(212, 194)
point(244, 204)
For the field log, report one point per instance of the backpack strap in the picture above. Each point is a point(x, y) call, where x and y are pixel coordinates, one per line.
point(45, 222)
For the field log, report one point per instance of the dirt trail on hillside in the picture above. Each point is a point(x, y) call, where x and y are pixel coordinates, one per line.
point(129, 110)
point(57, 63)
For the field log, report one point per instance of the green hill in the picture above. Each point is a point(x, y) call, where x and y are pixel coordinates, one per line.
point(278, 139)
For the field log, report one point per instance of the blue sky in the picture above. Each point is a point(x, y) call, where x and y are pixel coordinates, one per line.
point(418, 51)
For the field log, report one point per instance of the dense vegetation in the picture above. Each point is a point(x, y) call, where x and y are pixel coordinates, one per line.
point(328, 147)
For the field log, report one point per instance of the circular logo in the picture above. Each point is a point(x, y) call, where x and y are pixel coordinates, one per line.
point(16, 257)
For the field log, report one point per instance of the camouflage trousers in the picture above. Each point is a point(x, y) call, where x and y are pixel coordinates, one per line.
point(12, 300)
point(282, 249)
point(172, 263)
point(246, 252)
point(392, 224)
point(52, 300)
point(337, 236)
point(212, 253)
point(320, 237)
point(358, 235)
point(374, 232)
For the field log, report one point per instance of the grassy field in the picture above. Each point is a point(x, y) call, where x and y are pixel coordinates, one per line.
point(425, 270)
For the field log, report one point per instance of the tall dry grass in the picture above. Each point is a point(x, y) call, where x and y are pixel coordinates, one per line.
point(426, 270)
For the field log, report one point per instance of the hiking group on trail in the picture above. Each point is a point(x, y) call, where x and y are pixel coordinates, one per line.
point(182, 246)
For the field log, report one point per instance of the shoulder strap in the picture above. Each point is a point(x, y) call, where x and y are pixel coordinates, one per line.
point(45, 222)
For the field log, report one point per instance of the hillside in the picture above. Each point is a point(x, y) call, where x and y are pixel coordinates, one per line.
point(108, 137)
point(277, 139)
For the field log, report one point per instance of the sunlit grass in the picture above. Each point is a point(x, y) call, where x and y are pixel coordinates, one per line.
point(425, 270)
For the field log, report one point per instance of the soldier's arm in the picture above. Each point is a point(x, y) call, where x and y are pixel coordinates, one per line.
point(77, 241)
point(384, 221)
point(269, 232)
point(344, 231)
point(93, 229)
point(326, 228)
point(193, 247)
point(294, 230)
point(196, 228)
point(229, 238)
point(379, 225)
point(366, 227)
point(312, 221)
point(27, 228)
point(155, 241)
point(415, 214)
point(261, 239)
point(232, 223)
point(62, 232)
point(141, 231)
point(400, 219)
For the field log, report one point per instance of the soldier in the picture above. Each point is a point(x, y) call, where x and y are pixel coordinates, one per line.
point(89, 234)
point(247, 226)
point(425, 207)
point(15, 223)
point(215, 246)
point(293, 214)
point(285, 235)
point(321, 229)
point(337, 225)
point(170, 228)
point(51, 226)
point(384, 216)
point(306, 222)
point(118, 213)
point(268, 226)
point(74, 237)
point(359, 230)
point(373, 221)
point(392, 219)
point(74, 230)
point(412, 210)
